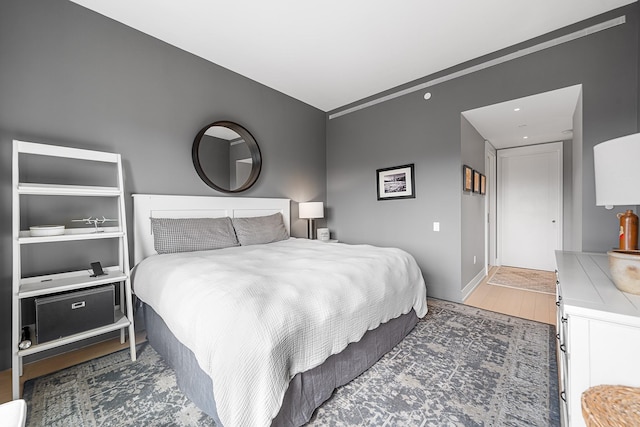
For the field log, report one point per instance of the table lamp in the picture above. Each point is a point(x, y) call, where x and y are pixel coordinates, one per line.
point(311, 211)
point(616, 165)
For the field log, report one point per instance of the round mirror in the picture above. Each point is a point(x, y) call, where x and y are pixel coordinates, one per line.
point(226, 157)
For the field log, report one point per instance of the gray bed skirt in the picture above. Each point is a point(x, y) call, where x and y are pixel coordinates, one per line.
point(307, 390)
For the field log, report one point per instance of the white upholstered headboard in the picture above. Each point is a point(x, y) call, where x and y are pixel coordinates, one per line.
point(147, 206)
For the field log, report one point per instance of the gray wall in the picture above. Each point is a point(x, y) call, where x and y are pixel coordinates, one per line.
point(72, 77)
point(214, 160)
point(567, 193)
point(576, 179)
point(411, 130)
point(472, 205)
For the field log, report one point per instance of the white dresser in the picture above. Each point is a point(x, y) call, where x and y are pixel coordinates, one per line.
point(598, 330)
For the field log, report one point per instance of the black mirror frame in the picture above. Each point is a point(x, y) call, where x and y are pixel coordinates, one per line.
point(256, 156)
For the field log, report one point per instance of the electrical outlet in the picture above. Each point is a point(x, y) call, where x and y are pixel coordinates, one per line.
point(474, 259)
point(436, 226)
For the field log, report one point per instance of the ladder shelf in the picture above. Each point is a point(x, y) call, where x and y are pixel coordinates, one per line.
point(25, 287)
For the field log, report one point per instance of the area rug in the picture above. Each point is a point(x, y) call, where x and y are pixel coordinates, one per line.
point(460, 366)
point(525, 279)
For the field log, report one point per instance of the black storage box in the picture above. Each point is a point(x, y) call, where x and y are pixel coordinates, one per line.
point(62, 315)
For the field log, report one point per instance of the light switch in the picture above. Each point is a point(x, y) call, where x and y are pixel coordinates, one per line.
point(436, 226)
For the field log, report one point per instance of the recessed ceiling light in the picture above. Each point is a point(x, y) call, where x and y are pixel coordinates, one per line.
point(516, 109)
point(427, 95)
point(525, 137)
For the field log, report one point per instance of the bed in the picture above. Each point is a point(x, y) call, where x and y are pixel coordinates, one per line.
point(262, 330)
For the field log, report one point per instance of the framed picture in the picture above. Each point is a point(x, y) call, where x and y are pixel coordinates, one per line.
point(483, 184)
point(467, 178)
point(476, 181)
point(396, 183)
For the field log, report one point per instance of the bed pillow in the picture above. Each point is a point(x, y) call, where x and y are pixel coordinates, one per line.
point(260, 229)
point(171, 235)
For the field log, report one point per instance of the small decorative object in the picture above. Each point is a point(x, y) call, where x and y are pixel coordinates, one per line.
point(46, 230)
point(94, 221)
point(396, 183)
point(323, 234)
point(616, 167)
point(628, 230)
point(483, 184)
point(97, 270)
point(25, 339)
point(476, 181)
point(467, 178)
point(310, 211)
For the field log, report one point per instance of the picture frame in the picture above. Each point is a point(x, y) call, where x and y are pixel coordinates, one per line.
point(467, 178)
point(396, 182)
point(476, 181)
point(483, 184)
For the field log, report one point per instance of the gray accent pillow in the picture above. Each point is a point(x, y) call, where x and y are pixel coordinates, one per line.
point(260, 229)
point(172, 235)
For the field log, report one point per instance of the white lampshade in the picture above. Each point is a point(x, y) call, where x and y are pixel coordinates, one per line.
point(310, 210)
point(617, 172)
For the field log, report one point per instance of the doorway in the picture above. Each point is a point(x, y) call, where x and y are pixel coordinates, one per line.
point(525, 122)
point(530, 121)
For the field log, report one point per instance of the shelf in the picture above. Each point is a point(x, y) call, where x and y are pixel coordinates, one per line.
point(120, 323)
point(62, 282)
point(24, 289)
point(70, 235)
point(68, 152)
point(66, 190)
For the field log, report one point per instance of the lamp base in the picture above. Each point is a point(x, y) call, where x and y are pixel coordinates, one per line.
point(310, 229)
point(625, 270)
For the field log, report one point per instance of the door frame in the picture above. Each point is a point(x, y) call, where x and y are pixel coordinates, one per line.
point(550, 147)
point(490, 208)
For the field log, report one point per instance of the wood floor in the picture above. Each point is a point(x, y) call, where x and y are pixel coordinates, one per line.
point(525, 304)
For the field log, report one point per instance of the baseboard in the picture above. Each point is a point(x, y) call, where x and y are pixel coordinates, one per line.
point(470, 287)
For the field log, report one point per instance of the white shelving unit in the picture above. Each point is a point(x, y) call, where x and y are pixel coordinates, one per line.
point(29, 287)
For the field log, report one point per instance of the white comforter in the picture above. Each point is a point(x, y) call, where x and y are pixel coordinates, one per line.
point(255, 316)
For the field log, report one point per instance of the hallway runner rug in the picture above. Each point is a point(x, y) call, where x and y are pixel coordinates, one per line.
point(460, 366)
point(525, 279)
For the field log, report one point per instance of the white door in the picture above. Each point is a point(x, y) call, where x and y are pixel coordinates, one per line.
point(243, 170)
point(530, 206)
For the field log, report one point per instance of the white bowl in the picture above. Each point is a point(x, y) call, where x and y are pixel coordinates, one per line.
point(625, 270)
point(46, 230)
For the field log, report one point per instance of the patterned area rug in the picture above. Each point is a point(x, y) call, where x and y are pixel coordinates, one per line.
point(525, 279)
point(460, 366)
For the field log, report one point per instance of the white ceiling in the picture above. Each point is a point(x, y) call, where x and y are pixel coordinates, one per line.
point(334, 52)
point(545, 117)
point(222, 133)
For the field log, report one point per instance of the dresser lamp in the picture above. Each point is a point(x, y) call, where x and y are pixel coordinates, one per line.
point(311, 211)
point(616, 164)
